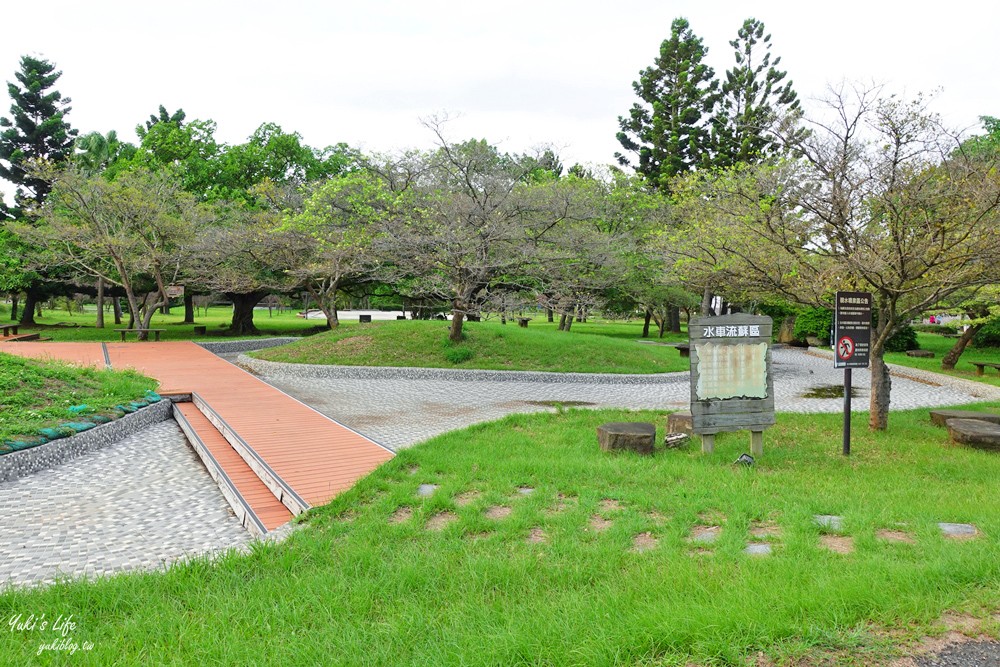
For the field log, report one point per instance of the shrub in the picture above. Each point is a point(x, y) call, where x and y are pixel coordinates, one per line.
point(988, 335)
point(935, 328)
point(904, 340)
point(813, 322)
point(458, 354)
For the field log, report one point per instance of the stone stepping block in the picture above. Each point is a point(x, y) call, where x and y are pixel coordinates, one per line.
point(958, 531)
point(829, 521)
point(705, 534)
point(923, 354)
point(758, 549)
point(426, 490)
point(940, 417)
point(974, 433)
point(630, 436)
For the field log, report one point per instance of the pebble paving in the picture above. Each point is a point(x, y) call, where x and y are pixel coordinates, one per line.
point(141, 503)
point(399, 412)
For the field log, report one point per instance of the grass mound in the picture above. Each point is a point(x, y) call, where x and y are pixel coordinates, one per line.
point(519, 542)
point(487, 345)
point(36, 394)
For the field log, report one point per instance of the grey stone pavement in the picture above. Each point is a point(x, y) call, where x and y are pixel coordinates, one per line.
point(141, 503)
point(400, 412)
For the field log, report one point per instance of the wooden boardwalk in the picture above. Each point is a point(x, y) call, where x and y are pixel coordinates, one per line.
point(303, 457)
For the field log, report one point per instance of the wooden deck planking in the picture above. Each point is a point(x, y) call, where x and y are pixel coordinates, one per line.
point(314, 455)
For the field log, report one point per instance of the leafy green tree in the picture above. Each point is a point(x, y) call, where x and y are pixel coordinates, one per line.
point(755, 96)
point(97, 153)
point(668, 131)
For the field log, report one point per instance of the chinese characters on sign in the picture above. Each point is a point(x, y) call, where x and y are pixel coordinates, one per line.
point(852, 329)
point(731, 331)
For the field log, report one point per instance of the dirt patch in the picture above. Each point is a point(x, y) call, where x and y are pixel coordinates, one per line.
point(563, 503)
point(838, 544)
point(466, 498)
point(440, 520)
point(481, 535)
point(895, 536)
point(644, 542)
point(711, 517)
point(700, 551)
point(658, 518)
point(705, 534)
point(347, 517)
point(763, 530)
point(609, 505)
point(412, 469)
point(599, 524)
point(401, 515)
point(537, 536)
point(353, 345)
point(498, 512)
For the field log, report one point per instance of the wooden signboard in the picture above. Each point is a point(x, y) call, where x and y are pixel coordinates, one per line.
point(732, 387)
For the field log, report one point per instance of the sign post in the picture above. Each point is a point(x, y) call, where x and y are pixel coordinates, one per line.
point(852, 335)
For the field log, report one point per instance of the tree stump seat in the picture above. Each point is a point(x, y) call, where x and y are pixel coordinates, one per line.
point(200, 330)
point(940, 417)
point(922, 354)
point(638, 437)
point(680, 422)
point(523, 322)
point(683, 349)
point(974, 433)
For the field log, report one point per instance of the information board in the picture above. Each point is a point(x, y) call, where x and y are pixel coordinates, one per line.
point(852, 329)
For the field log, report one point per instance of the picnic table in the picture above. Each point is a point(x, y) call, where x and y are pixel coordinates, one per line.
point(981, 366)
point(156, 333)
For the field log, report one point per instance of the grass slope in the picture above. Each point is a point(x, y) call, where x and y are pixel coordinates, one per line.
point(940, 346)
point(487, 345)
point(35, 394)
point(367, 581)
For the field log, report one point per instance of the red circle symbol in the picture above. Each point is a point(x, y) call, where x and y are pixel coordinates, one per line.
point(845, 348)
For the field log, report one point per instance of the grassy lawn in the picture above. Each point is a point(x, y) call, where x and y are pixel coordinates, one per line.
point(940, 345)
point(487, 345)
point(62, 326)
point(35, 394)
point(593, 567)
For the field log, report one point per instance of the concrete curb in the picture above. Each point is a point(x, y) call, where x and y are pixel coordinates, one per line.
point(16, 465)
point(446, 374)
point(987, 392)
point(231, 346)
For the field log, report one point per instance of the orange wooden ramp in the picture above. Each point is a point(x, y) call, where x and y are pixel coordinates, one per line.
point(273, 456)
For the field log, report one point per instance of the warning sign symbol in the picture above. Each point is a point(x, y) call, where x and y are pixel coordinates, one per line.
point(845, 348)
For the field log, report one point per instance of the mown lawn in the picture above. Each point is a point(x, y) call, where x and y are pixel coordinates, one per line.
point(940, 346)
point(487, 345)
point(36, 394)
point(593, 567)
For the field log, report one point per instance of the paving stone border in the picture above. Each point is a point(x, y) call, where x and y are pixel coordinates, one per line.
point(233, 346)
point(461, 375)
point(15, 465)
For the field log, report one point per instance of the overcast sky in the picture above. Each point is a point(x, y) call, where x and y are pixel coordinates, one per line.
point(518, 73)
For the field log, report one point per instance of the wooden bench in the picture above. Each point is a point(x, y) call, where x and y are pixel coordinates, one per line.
point(981, 366)
point(156, 333)
point(7, 328)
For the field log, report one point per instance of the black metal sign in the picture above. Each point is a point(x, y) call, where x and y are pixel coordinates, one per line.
point(852, 329)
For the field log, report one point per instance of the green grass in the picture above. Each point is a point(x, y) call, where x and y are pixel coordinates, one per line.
point(940, 346)
point(61, 326)
point(487, 345)
point(354, 588)
point(36, 394)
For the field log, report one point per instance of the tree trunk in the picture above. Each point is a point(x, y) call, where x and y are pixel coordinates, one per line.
point(562, 321)
point(100, 304)
point(951, 358)
point(569, 321)
point(30, 303)
point(243, 304)
point(116, 303)
point(878, 418)
point(549, 315)
point(457, 319)
point(13, 306)
point(706, 302)
point(188, 308)
point(645, 323)
point(675, 319)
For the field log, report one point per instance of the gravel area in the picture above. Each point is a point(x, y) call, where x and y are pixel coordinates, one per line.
point(968, 654)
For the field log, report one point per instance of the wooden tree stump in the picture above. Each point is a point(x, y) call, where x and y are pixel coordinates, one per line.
point(975, 433)
point(634, 436)
point(680, 422)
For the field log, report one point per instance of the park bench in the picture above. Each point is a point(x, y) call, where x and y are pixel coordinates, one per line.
point(156, 333)
point(981, 366)
point(7, 328)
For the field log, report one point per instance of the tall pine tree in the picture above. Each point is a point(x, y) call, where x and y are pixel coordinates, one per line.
point(668, 130)
point(754, 98)
point(37, 130)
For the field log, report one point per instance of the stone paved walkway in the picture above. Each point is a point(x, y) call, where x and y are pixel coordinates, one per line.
point(400, 412)
point(138, 504)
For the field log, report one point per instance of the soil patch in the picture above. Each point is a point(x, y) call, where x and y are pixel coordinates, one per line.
point(839, 544)
point(466, 498)
point(644, 542)
point(440, 520)
point(537, 536)
point(599, 523)
point(401, 515)
point(498, 512)
point(895, 536)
